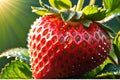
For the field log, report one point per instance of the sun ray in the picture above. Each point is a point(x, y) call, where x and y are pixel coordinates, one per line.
point(15, 20)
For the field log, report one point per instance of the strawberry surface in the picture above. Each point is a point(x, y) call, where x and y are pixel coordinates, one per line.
point(61, 49)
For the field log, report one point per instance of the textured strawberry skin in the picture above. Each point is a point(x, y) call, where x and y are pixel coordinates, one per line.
point(59, 49)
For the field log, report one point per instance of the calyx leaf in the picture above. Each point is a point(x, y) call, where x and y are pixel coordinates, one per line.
point(67, 15)
point(110, 9)
point(78, 15)
point(39, 10)
point(87, 23)
point(50, 9)
point(61, 4)
point(92, 12)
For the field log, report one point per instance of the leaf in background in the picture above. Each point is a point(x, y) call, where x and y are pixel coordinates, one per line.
point(108, 29)
point(116, 46)
point(16, 70)
point(12, 54)
point(4, 60)
point(111, 5)
point(113, 9)
point(117, 40)
point(110, 71)
point(61, 4)
point(92, 12)
point(20, 53)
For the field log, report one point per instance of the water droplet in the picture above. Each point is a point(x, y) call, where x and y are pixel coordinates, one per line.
point(73, 66)
point(104, 56)
point(104, 43)
point(73, 71)
point(99, 46)
point(108, 47)
point(8, 56)
point(94, 61)
point(79, 65)
point(99, 54)
point(105, 51)
point(102, 48)
point(92, 57)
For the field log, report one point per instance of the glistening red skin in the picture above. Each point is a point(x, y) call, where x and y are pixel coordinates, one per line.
point(61, 49)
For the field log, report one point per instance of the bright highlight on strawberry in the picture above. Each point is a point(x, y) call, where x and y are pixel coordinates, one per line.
point(67, 43)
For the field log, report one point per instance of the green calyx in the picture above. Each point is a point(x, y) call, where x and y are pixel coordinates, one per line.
point(90, 12)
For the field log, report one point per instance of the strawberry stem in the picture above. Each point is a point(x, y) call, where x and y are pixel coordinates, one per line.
point(80, 5)
point(92, 2)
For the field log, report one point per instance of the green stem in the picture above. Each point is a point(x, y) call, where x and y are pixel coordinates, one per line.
point(80, 5)
point(92, 2)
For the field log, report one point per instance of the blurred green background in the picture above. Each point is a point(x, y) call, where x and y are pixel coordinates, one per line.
point(16, 17)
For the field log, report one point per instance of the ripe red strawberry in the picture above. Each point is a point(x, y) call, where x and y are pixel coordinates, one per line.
point(60, 49)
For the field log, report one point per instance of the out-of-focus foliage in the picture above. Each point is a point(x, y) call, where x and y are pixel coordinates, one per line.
point(15, 20)
point(14, 64)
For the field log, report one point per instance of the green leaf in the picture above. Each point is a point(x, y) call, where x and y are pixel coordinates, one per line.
point(111, 5)
point(114, 13)
point(110, 71)
point(117, 40)
point(16, 70)
point(111, 15)
point(89, 10)
point(4, 60)
point(61, 4)
point(20, 53)
point(39, 10)
point(92, 12)
point(78, 15)
point(108, 75)
point(67, 15)
point(108, 29)
point(50, 9)
point(87, 23)
point(113, 9)
point(117, 52)
point(116, 46)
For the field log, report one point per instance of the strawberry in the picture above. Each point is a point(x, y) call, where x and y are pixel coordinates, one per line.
point(61, 47)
